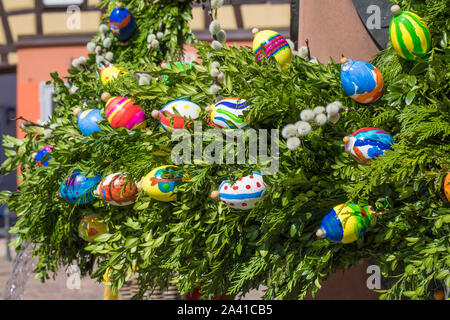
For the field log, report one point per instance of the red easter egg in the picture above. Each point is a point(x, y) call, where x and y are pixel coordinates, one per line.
point(117, 190)
point(122, 112)
point(447, 186)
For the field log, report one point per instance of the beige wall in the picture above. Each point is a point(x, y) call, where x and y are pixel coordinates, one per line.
point(333, 28)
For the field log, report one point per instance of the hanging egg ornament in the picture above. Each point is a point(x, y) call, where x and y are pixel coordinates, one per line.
point(39, 156)
point(122, 112)
point(91, 227)
point(368, 144)
point(346, 223)
point(244, 194)
point(409, 34)
point(229, 113)
point(361, 81)
point(88, 121)
point(160, 183)
point(110, 73)
point(121, 23)
point(171, 120)
point(117, 190)
point(268, 43)
point(78, 188)
point(447, 186)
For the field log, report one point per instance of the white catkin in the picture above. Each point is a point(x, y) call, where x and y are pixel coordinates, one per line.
point(314, 60)
point(103, 28)
point(214, 72)
point(76, 63)
point(321, 119)
point(109, 56)
point(221, 36)
point(73, 89)
point(98, 49)
point(155, 44)
point(291, 44)
point(99, 59)
point(214, 89)
point(216, 45)
point(215, 64)
point(307, 115)
point(293, 143)
point(216, 4)
point(319, 109)
point(334, 118)
point(107, 43)
point(48, 133)
point(303, 52)
point(159, 35)
point(338, 103)
point(221, 77)
point(255, 30)
point(214, 27)
point(143, 81)
point(53, 126)
point(91, 46)
point(333, 109)
point(82, 60)
point(151, 37)
point(290, 130)
point(303, 128)
point(145, 75)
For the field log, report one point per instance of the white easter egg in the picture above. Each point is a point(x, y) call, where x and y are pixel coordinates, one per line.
point(245, 193)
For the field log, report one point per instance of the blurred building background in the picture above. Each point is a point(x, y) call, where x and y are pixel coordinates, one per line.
point(36, 39)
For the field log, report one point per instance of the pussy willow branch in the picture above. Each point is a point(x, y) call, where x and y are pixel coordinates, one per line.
point(29, 123)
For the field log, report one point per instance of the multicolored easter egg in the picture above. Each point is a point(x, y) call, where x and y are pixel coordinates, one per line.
point(186, 110)
point(361, 81)
point(228, 113)
point(88, 121)
point(40, 155)
point(117, 190)
point(160, 183)
point(245, 193)
point(121, 23)
point(409, 34)
point(122, 112)
point(270, 43)
point(368, 144)
point(91, 227)
point(79, 189)
point(346, 223)
point(447, 186)
point(110, 73)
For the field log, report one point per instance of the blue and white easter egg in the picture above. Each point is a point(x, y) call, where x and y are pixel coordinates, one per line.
point(78, 188)
point(368, 144)
point(245, 193)
point(87, 121)
point(361, 81)
point(228, 113)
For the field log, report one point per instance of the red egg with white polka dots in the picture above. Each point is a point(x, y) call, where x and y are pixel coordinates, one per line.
point(245, 193)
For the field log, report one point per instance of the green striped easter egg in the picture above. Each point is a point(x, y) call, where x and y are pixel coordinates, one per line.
point(409, 34)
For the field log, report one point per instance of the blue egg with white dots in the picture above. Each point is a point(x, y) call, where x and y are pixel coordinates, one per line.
point(88, 121)
point(78, 188)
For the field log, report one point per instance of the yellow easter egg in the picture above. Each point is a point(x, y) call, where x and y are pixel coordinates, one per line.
point(110, 73)
point(90, 227)
point(270, 43)
point(160, 183)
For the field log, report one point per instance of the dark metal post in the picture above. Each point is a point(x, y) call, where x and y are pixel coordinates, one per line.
point(295, 11)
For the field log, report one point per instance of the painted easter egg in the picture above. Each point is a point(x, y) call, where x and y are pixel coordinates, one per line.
point(361, 81)
point(160, 183)
point(409, 34)
point(110, 73)
point(228, 113)
point(121, 23)
point(117, 190)
point(40, 156)
point(185, 109)
point(79, 189)
point(346, 223)
point(270, 43)
point(88, 121)
point(245, 193)
point(368, 144)
point(122, 112)
point(91, 227)
point(447, 186)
